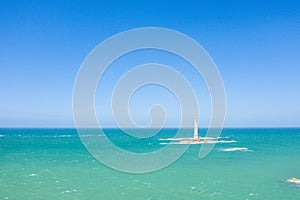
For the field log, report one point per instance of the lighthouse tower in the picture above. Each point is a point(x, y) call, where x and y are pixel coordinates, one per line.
point(195, 128)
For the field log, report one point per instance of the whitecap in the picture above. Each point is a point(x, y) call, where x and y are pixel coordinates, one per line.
point(235, 149)
point(64, 136)
point(173, 139)
point(293, 180)
point(91, 135)
point(66, 191)
point(225, 137)
point(253, 194)
point(146, 183)
point(203, 142)
point(164, 143)
point(32, 175)
point(226, 141)
point(69, 191)
point(207, 140)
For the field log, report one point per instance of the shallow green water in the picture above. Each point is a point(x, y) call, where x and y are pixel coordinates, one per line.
point(54, 164)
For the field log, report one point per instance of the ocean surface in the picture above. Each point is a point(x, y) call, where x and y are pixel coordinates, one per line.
point(54, 164)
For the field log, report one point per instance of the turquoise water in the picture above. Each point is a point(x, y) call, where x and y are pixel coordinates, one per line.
point(54, 164)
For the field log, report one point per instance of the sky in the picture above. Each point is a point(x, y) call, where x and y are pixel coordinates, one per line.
point(255, 45)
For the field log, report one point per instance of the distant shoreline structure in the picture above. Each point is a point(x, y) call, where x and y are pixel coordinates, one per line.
point(196, 139)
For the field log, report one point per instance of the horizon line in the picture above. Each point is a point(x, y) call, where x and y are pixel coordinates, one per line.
point(70, 127)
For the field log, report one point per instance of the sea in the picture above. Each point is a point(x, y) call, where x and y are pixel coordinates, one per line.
point(40, 163)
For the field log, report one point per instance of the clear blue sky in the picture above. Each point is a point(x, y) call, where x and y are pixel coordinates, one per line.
point(255, 44)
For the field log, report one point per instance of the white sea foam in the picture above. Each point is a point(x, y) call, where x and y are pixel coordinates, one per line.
point(69, 191)
point(225, 141)
point(226, 137)
point(293, 180)
point(170, 139)
point(91, 135)
point(69, 136)
point(210, 138)
point(164, 143)
point(32, 175)
point(175, 139)
point(66, 191)
point(64, 136)
point(253, 194)
point(235, 149)
point(200, 142)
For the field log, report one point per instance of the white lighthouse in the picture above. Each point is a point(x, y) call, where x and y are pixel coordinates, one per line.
point(195, 128)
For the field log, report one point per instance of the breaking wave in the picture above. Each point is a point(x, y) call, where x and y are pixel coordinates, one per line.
point(235, 149)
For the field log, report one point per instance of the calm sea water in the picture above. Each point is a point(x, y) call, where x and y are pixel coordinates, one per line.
point(54, 164)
